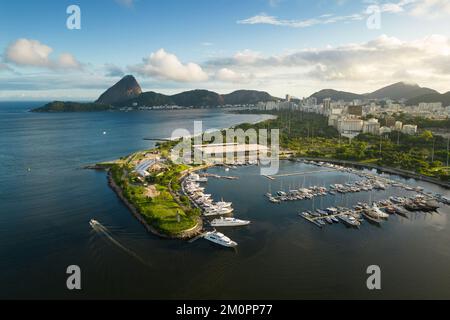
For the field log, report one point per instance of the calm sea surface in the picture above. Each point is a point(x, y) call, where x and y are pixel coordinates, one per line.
point(47, 200)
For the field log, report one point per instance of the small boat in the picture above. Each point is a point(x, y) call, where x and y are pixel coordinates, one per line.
point(223, 204)
point(321, 222)
point(350, 220)
point(220, 238)
point(274, 200)
point(217, 212)
point(400, 211)
point(379, 213)
point(372, 216)
point(328, 220)
point(412, 206)
point(229, 222)
point(94, 223)
point(390, 209)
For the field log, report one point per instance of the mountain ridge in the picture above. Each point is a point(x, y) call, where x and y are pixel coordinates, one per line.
point(128, 93)
point(396, 91)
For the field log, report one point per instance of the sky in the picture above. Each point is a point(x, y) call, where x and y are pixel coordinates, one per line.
point(294, 47)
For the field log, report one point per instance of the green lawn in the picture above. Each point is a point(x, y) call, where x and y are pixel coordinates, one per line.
point(162, 211)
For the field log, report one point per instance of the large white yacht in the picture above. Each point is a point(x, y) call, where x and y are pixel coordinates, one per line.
point(380, 213)
point(229, 222)
point(217, 211)
point(223, 204)
point(220, 238)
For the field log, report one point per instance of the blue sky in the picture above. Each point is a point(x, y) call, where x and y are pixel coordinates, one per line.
point(281, 46)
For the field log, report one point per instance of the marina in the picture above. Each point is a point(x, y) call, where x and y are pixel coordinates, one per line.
point(374, 212)
point(219, 210)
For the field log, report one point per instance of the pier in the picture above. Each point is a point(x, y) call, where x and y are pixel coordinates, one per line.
point(273, 177)
point(211, 175)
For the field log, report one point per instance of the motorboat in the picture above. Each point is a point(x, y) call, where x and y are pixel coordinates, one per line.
point(94, 223)
point(378, 212)
point(350, 220)
point(372, 216)
point(229, 222)
point(220, 238)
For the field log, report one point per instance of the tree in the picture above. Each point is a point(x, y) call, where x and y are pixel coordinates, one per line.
point(427, 135)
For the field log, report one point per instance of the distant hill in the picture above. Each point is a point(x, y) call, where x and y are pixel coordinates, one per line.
point(247, 97)
point(68, 106)
point(148, 99)
point(399, 91)
point(434, 97)
point(396, 91)
point(198, 98)
point(336, 95)
point(127, 88)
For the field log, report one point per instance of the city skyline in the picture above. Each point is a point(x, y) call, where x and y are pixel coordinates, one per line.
point(277, 46)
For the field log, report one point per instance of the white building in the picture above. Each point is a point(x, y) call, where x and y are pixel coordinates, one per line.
point(409, 129)
point(345, 125)
point(371, 126)
point(385, 130)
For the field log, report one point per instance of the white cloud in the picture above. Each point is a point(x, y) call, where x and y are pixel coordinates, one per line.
point(247, 56)
point(431, 8)
point(126, 3)
point(228, 75)
point(381, 61)
point(263, 18)
point(274, 3)
point(32, 53)
point(424, 8)
point(164, 65)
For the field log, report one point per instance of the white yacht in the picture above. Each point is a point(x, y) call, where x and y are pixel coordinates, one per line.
point(217, 212)
point(380, 213)
point(223, 204)
point(196, 178)
point(229, 222)
point(220, 238)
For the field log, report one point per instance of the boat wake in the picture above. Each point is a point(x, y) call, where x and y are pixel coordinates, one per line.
point(101, 229)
